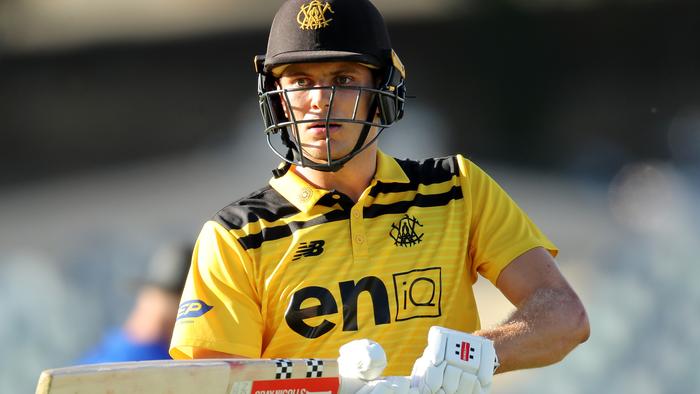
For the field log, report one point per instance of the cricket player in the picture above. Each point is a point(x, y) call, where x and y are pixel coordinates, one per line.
point(346, 242)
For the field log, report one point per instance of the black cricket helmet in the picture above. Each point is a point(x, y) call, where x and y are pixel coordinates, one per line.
point(306, 31)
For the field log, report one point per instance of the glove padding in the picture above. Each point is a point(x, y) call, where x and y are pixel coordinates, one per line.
point(454, 362)
point(360, 364)
point(388, 385)
point(362, 359)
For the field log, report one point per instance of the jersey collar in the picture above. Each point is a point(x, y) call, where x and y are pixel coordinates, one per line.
point(304, 195)
point(297, 190)
point(388, 170)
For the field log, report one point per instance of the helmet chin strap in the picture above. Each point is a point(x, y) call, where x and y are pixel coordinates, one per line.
point(279, 172)
point(332, 165)
point(289, 156)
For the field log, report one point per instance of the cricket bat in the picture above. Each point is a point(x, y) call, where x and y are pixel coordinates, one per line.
point(216, 376)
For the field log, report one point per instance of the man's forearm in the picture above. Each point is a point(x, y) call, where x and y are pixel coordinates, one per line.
point(544, 329)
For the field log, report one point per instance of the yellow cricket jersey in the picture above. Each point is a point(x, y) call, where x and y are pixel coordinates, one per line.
point(292, 271)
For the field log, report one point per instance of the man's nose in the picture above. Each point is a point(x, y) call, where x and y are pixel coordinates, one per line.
point(320, 97)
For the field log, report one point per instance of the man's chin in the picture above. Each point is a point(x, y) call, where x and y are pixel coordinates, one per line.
point(320, 156)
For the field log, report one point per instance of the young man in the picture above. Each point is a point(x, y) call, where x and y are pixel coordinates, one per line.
point(347, 242)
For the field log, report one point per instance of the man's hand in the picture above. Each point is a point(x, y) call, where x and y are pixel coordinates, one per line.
point(361, 359)
point(360, 366)
point(454, 362)
point(388, 385)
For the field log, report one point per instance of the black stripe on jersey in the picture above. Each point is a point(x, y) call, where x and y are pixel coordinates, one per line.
point(420, 200)
point(426, 172)
point(253, 241)
point(266, 204)
point(269, 205)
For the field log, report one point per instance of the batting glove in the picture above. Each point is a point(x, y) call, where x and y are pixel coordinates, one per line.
point(388, 385)
point(362, 359)
point(360, 365)
point(454, 362)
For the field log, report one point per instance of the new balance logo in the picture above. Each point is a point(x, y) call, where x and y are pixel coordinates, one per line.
point(309, 249)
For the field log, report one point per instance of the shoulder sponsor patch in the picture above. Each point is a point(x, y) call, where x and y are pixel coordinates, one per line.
point(192, 308)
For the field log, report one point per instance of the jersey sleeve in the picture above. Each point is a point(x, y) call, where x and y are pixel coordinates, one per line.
point(220, 308)
point(499, 230)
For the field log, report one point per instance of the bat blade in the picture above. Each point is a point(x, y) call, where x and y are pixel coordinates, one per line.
point(223, 376)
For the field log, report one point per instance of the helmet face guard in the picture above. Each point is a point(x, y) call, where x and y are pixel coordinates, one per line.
point(386, 105)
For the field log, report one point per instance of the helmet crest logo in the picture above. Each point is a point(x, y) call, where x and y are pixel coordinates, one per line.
point(312, 16)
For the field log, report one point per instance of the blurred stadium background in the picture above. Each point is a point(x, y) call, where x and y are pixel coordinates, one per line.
point(126, 124)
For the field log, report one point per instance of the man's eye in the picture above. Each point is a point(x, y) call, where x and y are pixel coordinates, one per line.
point(343, 80)
point(301, 82)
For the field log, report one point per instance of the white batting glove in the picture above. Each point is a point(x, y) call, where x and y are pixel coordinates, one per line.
point(454, 362)
point(388, 385)
point(360, 365)
point(362, 359)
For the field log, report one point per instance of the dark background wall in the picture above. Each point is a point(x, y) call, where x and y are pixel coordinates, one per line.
point(580, 92)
